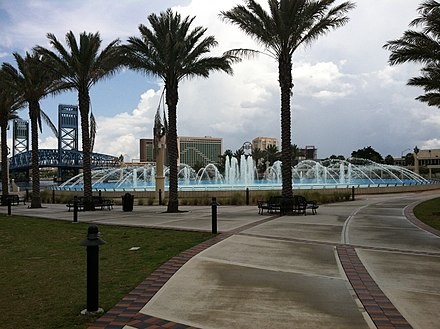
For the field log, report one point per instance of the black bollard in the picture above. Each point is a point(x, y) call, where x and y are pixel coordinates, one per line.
point(92, 242)
point(247, 196)
point(75, 209)
point(53, 196)
point(214, 215)
point(352, 193)
point(8, 200)
point(160, 197)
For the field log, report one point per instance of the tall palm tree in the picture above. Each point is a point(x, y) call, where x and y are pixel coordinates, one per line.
point(10, 102)
point(172, 50)
point(33, 82)
point(422, 47)
point(81, 65)
point(288, 25)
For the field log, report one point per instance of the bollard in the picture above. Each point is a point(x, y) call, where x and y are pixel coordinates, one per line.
point(92, 242)
point(53, 196)
point(352, 193)
point(27, 195)
point(247, 196)
point(214, 215)
point(75, 209)
point(8, 201)
point(99, 194)
point(160, 197)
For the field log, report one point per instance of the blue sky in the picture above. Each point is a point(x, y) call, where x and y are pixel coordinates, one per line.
point(345, 97)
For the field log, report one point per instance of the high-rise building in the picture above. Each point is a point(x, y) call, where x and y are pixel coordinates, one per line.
point(192, 150)
point(199, 150)
point(146, 150)
point(263, 142)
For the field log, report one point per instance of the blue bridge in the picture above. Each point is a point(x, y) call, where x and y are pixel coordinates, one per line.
point(67, 159)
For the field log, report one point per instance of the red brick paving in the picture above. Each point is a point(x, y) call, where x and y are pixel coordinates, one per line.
point(126, 312)
point(382, 312)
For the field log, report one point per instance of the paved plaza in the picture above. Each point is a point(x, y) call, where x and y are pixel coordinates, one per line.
point(356, 264)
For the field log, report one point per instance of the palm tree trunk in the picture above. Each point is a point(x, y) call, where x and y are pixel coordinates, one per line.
point(84, 105)
point(4, 157)
point(285, 80)
point(172, 98)
point(34, 109)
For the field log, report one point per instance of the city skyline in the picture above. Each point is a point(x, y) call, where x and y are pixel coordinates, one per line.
point(346, 96)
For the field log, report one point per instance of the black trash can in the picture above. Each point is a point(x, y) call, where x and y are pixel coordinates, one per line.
point(127, 202)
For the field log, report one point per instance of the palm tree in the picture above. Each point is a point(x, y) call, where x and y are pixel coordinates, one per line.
point(272, 154)
point(288, 25)
point(10, 102)
point(173, 51)
point(33, 82)
point(81, 65)
point(422, 47)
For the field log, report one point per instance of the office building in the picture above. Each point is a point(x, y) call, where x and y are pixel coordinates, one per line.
point(263, 142)
point(199, 150)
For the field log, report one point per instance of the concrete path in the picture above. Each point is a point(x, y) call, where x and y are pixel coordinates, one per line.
point(357, 264)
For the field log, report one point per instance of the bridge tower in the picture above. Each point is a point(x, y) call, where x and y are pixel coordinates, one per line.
point(67, 135)
point(20, 136)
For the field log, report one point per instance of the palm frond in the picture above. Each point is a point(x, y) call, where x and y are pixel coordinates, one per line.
point(49, 123)
point(92, 131)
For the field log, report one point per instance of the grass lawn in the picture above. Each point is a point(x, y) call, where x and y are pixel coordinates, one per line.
point(42, 271)
point(429, 212)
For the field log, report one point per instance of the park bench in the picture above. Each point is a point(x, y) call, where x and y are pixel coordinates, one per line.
point(296, 205)
point(97, 201)
point(14, 199)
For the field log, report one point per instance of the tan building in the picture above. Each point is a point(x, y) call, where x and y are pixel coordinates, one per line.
point(263, 142)
point(192, 150)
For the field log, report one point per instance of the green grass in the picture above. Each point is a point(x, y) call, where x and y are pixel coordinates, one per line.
point(429, 212)
point(42, 271)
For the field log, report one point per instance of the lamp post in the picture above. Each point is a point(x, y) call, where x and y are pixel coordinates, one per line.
point(416, 160)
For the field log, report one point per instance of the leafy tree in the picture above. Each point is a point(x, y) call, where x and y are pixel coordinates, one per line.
point(337, 157)
point(288, 25)
point(81, 65)
point(389, 160)
point(173, 51)
point(422, 47)
point(33, 82)
point(10, 102)
point(367, 153)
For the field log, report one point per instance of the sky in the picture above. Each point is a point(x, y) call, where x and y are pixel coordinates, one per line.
point(345, 96)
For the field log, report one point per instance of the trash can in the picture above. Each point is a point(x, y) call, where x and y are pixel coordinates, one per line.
point(127, 202)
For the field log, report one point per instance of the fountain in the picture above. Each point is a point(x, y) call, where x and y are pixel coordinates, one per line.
point(240, 174)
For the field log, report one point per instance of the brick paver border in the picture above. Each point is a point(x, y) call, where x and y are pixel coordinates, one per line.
point(382, 312)
point(126, 312)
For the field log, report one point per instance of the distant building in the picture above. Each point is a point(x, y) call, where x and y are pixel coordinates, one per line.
point(310, 152)
point(429, 162)
point(146, 150)
point(192, 150)
point(263, 142)
point(199, 150)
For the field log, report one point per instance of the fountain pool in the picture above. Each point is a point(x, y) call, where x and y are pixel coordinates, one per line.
point(241, 173)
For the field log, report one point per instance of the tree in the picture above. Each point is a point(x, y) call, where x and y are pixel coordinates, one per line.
point(171, 50)
point(81, 65)
point(10, 102)
point(422, 47)
point(33, 82)
point(288, 25)
point(389, 160)
point(367, 153)
point(272, 154)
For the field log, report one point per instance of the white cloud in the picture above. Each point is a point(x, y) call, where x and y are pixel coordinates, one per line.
point(345, 97)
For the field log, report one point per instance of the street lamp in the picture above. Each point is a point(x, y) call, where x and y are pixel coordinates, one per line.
point(416, 160)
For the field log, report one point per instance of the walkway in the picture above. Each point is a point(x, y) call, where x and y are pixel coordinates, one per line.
point(358, 264)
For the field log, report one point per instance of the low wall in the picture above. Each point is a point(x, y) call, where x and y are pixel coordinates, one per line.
point(234, 197)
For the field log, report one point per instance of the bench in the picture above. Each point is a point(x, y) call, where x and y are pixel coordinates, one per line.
point(14, 199)
point(97, 201)
point(297, 205)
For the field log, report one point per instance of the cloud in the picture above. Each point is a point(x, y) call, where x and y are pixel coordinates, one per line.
point(346, 96)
